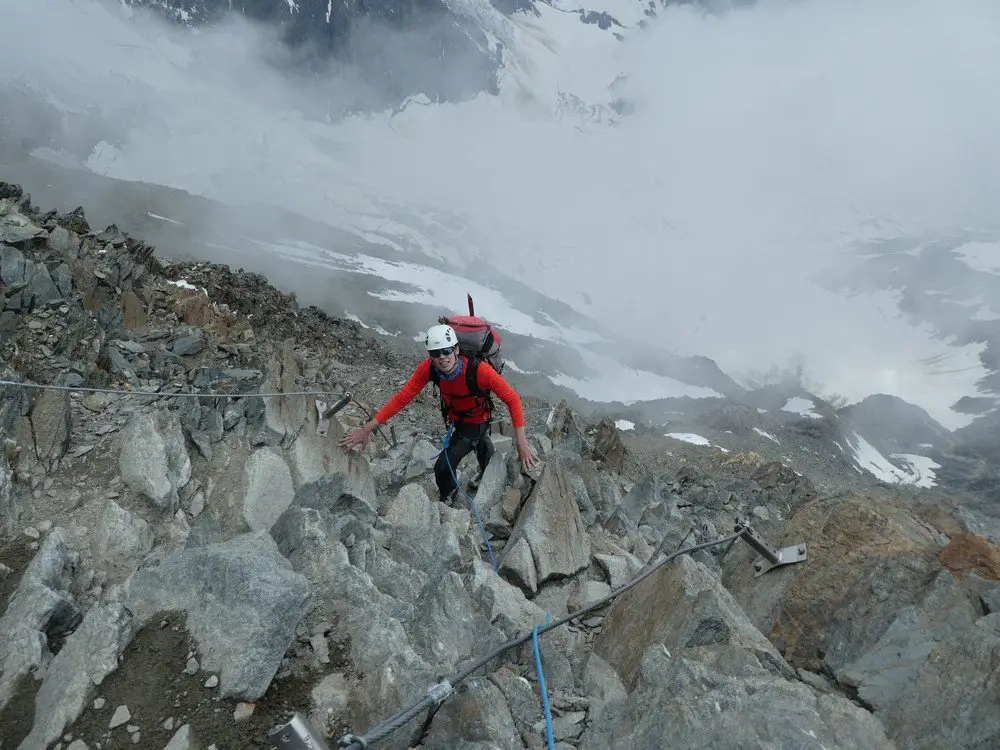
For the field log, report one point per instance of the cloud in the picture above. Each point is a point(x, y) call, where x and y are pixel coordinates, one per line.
point(761, 142)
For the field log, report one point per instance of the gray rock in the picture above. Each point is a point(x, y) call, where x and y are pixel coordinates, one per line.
point(434, 551)
point(603, 687)
point(505, 605)
point(489, 495)
point(337, 494)
point(681, 607)
point(244, 628)
point(422, 459)
point(606, 497)
point(523, 702)
point(41, 288)
point(213, 423)
point(989, 594)
point(153, 458)
point(476, 712)
point(723, 697)
point(269, 489)
point(315, 458)
point(518, 566)
point(905, 665)
point(184, 739)
point(450, 628)
point(88, 656)
point(412, 507)
point(616, 568)
point(122, 535)
point(10, 512)
point(278, 420)
point(51, 424)
point(394, 674)
point(206, 530)
point(41, 607)
point(551, 525)
point(586, 592)
point(330, 698)
point(13, 266)
point(582, 497)
point(62, 240)
point(188, 346)
point(952, 700)
point(16, 235)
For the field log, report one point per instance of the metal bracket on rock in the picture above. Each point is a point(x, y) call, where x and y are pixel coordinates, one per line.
point(771, 558)
point(324, 414)
point(297, 734)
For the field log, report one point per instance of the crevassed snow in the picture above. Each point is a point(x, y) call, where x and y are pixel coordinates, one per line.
point(694, 439)
point(981, 256)
point(803, 406)
point(921, 468)
point(617, 383)
point(768, 435)
point(624, 424)
point(509, 364)
point(377, 328)
point(151, 215)
point(689, 437)
point(915, 470)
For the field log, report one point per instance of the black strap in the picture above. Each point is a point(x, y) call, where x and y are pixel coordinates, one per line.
point(472, 378)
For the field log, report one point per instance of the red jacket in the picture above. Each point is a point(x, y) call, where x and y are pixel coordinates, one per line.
point(456, 395)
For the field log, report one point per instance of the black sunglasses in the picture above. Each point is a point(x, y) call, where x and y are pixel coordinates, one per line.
point(441, 352)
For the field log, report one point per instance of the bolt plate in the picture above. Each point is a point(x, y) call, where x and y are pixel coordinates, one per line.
point(786, 556)
point(323, 424)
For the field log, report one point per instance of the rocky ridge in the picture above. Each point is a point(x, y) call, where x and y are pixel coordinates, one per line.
point(185, 571)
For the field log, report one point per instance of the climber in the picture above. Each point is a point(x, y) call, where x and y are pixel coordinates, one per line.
point(469, 412)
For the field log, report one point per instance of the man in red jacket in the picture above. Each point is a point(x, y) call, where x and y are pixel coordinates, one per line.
point(469, 411)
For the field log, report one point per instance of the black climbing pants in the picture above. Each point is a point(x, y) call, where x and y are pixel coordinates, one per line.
point(464, 440)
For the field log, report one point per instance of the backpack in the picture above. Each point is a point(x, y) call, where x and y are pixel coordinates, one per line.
point(480, 342)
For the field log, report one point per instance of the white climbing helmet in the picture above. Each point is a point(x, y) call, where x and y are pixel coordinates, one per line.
point(440, 337)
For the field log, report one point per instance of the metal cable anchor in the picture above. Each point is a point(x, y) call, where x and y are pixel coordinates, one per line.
point(297, 734)
point(324, 414)
point(771, 558)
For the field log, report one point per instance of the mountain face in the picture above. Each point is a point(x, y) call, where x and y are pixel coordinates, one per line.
point(186, 560)
point(400, 48)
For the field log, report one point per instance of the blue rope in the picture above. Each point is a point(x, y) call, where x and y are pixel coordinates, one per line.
point(549, 734)
point(468, 500)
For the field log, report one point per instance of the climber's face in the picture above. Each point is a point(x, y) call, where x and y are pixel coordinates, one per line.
point(445, 359)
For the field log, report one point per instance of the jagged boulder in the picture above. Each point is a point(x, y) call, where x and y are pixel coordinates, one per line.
point(51, 425)
point(40, 608)
point(88, 656)
point(550, 530)
point(277, 420)
point(243, 603)
point(608, 445)
point(867, 560)
point(878, 606)
point(154, 459)
point(699, 674)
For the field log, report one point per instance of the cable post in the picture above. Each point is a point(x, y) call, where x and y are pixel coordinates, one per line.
point(770, 558)
point(297, 734)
